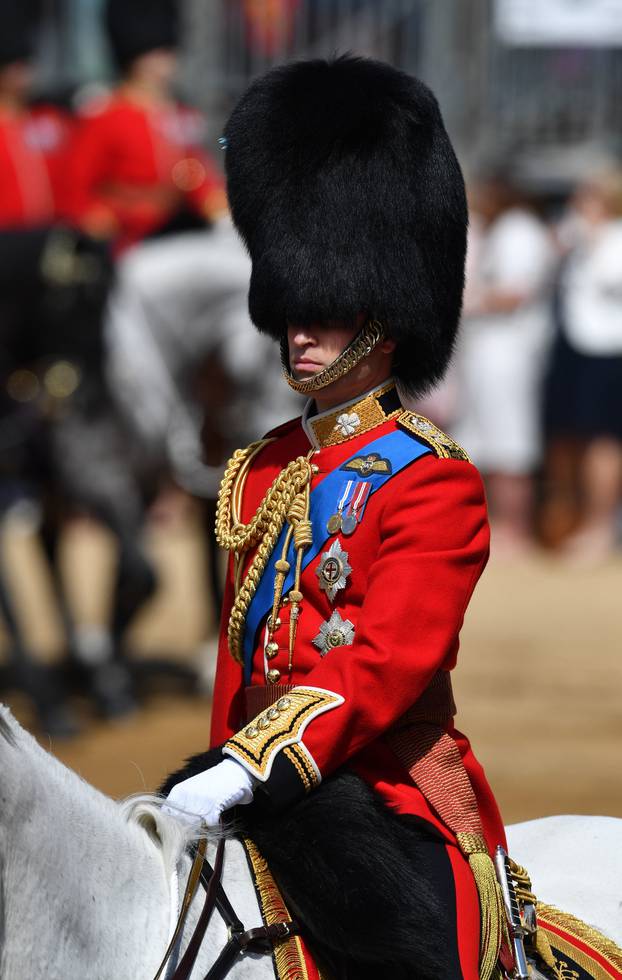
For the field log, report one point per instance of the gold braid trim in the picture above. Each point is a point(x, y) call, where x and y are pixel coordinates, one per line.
point(288, 954)
point(605, 947)
point(262, 531)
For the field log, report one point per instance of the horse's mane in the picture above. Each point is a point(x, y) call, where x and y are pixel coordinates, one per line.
point(171, 835)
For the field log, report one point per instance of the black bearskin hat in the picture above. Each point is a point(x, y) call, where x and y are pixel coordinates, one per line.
point(138, 26)
point(345, 187)
point(19, 26)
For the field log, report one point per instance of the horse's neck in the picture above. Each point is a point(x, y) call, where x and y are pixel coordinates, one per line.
point(84, 892)
point(88, 886)
point(241, 893)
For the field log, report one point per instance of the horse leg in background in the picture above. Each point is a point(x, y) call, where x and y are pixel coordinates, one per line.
point(40, 683)
point(107, 474)
point(95, 472)
point(92, 663)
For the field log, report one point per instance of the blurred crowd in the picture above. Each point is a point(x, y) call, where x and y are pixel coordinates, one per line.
point(129, 367)
point(128, 363)
point(536, 390)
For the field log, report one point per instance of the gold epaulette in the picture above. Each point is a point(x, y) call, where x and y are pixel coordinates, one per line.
point(442, 444)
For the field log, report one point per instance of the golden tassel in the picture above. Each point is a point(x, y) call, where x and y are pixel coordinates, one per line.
point(543, 949)
point(303, 538)
point(473, 846)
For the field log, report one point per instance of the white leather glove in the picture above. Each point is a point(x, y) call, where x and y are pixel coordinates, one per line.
point(210, 793)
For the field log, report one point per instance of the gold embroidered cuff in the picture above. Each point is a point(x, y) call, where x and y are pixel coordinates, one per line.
point(281, 727)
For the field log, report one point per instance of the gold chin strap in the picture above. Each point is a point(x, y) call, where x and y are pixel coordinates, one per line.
point(362, 345)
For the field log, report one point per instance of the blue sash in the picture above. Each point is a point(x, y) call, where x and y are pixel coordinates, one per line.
point(400, 448)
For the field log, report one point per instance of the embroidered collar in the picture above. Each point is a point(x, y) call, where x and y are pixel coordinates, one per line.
point(352, 418)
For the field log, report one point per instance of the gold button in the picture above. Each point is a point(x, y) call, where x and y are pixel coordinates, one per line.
point(263, 723)
point(273, 713)
point(283, 703)
point(274, 676)
point(251, 732)
point(275, 625)
point(315, 468)
point(271, 650)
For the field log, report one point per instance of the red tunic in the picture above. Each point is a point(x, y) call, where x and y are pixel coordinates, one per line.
point(415, 557)
point(33, 147)
point(133, 166)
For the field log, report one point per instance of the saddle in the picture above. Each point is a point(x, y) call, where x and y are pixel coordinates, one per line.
point(567, 948)
point(577, 951)
point(361, 923)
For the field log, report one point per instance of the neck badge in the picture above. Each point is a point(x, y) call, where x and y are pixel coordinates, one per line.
point(336, 632)
point(333, 570)
point(348, 423)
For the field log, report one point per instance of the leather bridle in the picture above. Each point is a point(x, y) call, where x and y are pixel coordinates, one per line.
point(241, 940)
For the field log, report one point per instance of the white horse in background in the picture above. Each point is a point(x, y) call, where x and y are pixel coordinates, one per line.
point(90, 889)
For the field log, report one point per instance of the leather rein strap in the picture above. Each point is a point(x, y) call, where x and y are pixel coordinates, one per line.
point(240, 940)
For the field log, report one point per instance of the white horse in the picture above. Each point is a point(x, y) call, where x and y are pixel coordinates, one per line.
point(90, 889)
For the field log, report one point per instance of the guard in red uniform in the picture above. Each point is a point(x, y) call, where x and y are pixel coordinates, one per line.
point(33, 142)
point(137, 159)
point(357, 533)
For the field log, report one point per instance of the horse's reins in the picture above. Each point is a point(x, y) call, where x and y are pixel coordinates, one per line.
point(240, 939)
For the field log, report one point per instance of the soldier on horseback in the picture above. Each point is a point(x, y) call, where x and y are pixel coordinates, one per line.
point(357, 532)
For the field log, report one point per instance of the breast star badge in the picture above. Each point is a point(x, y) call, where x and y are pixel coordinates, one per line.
point(333, 570)
point(336, 632)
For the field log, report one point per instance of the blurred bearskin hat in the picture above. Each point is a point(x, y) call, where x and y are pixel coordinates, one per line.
point(345, 187)
point(19, 23)
point(136, 27)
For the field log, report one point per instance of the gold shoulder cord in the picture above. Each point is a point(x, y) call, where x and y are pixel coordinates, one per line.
point(236, 503)
point(286, 500)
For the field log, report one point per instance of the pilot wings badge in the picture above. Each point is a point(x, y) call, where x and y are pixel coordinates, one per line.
point(365, 465)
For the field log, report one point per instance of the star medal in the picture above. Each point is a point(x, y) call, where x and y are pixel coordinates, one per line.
point(336, 632)
point(333, 570)
point(333, 525)
point(356, 508)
